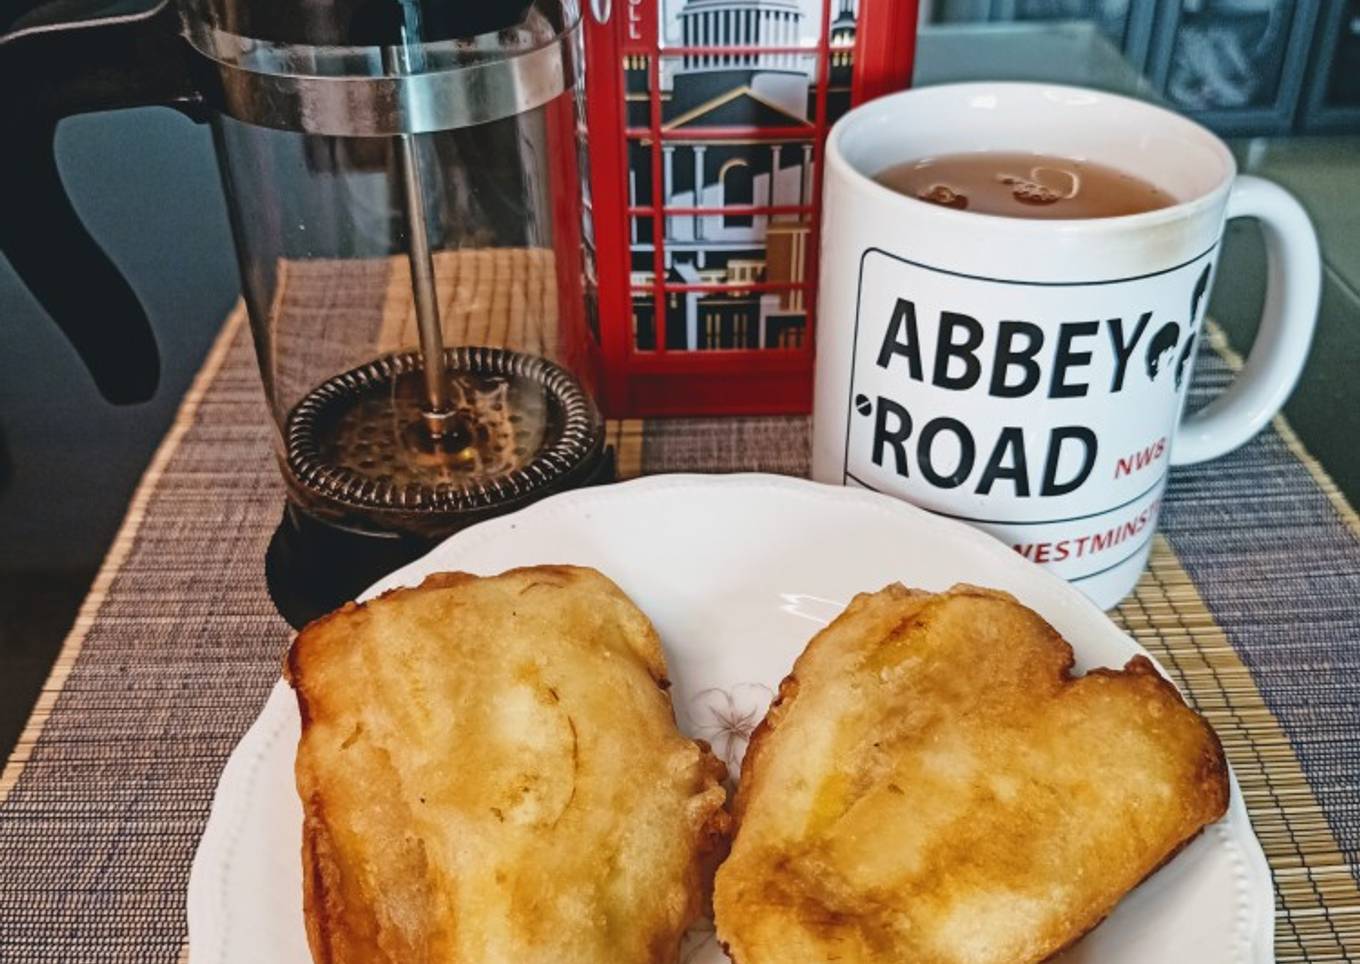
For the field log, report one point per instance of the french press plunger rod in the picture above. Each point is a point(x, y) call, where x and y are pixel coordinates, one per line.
point(437, 415)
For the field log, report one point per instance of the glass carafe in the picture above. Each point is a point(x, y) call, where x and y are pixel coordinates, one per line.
point(405, 182)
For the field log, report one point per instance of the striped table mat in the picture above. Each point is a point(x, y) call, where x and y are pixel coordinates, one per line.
point(1252, 601)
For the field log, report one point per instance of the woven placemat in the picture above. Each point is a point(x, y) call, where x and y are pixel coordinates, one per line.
point(1252, 601)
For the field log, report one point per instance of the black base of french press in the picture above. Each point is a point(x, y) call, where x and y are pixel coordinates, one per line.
point(313, 566)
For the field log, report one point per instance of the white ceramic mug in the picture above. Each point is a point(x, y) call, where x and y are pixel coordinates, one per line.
point(1028, 376)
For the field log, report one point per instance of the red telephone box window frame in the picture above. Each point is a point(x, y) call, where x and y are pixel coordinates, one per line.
point(661, 381)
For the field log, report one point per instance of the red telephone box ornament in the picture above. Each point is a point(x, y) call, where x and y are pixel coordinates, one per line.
point(706, 122)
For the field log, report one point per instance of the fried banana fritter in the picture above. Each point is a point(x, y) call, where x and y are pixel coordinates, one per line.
point(932, 785)
point(490, 771)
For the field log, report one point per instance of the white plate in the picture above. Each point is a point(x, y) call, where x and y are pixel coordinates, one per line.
point(737, 572)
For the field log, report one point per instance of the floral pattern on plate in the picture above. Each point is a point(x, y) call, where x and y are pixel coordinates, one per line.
point(726, 717)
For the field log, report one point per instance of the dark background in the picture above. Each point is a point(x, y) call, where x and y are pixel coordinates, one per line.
point(145, 183)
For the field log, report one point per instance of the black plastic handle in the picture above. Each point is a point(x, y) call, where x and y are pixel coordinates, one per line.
point(65, 57)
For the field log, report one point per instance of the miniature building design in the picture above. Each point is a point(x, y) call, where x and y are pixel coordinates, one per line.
point(738, 122)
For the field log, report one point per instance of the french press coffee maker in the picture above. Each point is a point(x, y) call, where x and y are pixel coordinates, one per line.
point(405, 180)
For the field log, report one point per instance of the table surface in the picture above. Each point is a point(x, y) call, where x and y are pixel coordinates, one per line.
point(1250, 601)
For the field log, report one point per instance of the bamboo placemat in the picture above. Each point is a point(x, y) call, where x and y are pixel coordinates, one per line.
point(1252, 601)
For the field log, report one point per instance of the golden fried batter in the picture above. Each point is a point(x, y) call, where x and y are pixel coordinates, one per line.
point(490, 772)
point(931, 785)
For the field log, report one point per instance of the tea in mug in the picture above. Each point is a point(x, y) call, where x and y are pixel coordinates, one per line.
point(1019, 185)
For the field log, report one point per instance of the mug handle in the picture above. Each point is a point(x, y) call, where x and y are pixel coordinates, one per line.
point(1293, 287)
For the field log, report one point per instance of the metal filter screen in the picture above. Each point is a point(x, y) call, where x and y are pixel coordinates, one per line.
point(356, 451)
